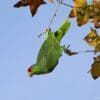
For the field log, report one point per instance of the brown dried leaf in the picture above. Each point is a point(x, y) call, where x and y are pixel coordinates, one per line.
point(92, 38)
point(34, 5)
point(52, 1)
point(95, 70)
point(69, 52)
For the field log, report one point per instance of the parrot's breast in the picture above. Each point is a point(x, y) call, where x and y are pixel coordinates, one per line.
point(49, 53)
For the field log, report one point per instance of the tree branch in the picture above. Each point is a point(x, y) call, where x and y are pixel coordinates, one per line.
point(67, 4)
point(54, 15)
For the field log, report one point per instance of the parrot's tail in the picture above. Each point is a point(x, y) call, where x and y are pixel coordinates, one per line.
point(62, 30)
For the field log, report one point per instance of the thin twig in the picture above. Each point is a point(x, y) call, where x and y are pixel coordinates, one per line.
point(41, 34)
point(87, 51)
point(67, 4)
point(54, 15)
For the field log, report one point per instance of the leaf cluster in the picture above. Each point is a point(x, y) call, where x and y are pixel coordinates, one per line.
point(85, 12)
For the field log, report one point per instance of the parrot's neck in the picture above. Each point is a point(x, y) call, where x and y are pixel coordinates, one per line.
point(38, 70)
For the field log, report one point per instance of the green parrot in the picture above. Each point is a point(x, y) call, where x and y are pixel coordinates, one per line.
point(50, 51)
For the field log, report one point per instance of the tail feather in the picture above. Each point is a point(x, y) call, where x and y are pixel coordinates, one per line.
point(62, 30)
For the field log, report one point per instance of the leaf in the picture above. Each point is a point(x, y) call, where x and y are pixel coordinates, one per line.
point(52, 1)
point(77, 7)
point(97, 48)
point(80, 11)
point(83, 19)
point(34, 5)
point(80, 3)
point(96, 10)
point(96, 20)
point(92, 38)
point(95, 70)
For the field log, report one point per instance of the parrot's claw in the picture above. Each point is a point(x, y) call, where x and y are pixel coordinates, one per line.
point(69, 52)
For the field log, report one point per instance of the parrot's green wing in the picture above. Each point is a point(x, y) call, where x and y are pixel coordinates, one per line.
point(48, 55)
point(50, 52)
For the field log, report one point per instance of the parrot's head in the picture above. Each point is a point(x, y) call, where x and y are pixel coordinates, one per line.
point(34, 70)
point(30, 71)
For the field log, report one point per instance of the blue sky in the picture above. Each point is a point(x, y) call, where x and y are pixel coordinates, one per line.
point(19, 45)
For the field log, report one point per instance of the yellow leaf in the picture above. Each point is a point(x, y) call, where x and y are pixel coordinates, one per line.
point(79, 11)
point(95, 70)
point(80, 3)
point(92, 38)
point(52, 1)
point(97, 48)
point(82, 19)
point(96, 10)
point(84, 12)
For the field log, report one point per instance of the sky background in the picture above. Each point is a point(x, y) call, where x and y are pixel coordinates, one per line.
point(19, 46)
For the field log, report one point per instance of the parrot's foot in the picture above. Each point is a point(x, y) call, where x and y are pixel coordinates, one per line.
point(69, 52)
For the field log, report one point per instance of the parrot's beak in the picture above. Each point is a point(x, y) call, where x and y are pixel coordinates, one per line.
point(30, 74)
